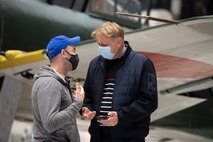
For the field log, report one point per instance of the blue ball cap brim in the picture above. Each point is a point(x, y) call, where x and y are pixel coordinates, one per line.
point(74, 40)
point(58, 43)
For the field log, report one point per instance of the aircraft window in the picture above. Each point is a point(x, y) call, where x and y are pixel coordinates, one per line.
point(109, 6)
point(131, 6)
point(62, 3)
point(108, 9)
point(78, 5)
point(103, 6)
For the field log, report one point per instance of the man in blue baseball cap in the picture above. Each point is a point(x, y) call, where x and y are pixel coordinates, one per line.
point(54, 107)
point(58, 43)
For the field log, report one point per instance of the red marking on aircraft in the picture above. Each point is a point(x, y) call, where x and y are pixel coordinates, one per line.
point(177, 67)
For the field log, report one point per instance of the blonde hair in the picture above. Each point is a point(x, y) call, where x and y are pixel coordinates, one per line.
point(109, 29)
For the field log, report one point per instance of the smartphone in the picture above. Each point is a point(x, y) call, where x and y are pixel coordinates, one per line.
point(102, 117)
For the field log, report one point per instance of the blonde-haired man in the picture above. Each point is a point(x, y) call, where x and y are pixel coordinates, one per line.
point(120, 89)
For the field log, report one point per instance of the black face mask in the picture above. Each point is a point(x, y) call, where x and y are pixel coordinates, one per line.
point(74, 59)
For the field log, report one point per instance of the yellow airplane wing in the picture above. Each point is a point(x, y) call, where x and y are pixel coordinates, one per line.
point(17, 57)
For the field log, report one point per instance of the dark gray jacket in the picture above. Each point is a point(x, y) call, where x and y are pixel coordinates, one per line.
point(54, 111)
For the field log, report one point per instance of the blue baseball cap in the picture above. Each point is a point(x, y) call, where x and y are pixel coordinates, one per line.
point(58, 43)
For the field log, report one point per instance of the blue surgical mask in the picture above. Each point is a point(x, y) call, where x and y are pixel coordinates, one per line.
point(106, 52)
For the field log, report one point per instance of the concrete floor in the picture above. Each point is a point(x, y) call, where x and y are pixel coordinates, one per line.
point(21, 132)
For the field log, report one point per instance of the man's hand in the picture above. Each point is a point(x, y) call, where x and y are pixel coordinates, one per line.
point(79, 92)
point(111, 121)
point(87, 114)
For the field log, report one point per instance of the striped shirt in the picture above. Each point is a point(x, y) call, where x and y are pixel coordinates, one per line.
point(106, 102)
point(107, 96)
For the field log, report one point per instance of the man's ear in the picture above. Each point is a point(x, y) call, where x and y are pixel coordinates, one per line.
point(120, 40)
point(63, 52)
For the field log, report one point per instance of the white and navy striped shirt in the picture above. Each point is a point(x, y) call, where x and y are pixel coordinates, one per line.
point(106, 102)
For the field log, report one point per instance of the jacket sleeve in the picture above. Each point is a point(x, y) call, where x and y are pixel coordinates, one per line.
point(147, 101)
point(49, 101)
point(88, 89)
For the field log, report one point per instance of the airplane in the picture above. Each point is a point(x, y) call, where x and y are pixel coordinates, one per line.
point(182, 55)
point(28, 25)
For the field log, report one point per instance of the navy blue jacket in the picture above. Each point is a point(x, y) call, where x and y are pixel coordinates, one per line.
point(134, 97)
